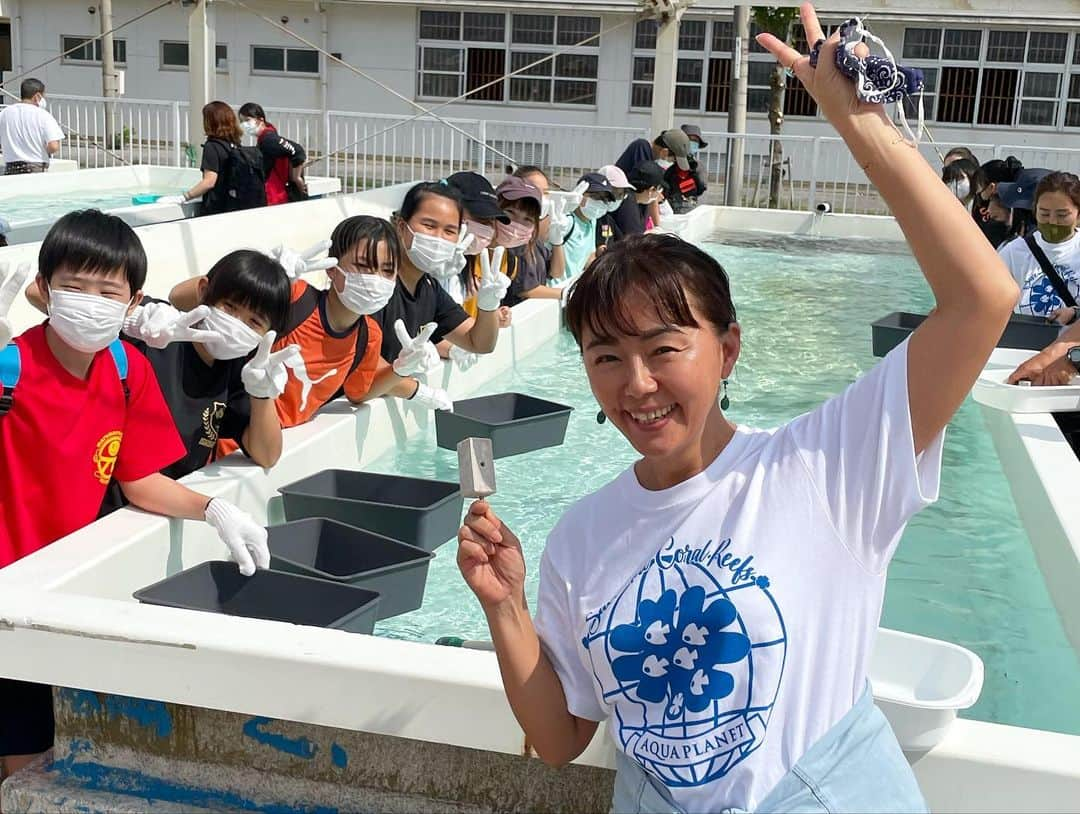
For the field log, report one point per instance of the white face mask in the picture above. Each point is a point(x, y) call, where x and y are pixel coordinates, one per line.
point(42, 103)
point(593, 209)
point(614, 205)
point(249, 126)
point(664, 163)
point(365, 293)
point(432, 255)
point(235, 338)
point(961, 188)
point(86, 322)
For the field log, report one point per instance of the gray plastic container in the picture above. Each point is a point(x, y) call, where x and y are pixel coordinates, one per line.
point(1022, 332)
point(423, 513)
point(219, 587)
point(328, 550)
point(514, 422)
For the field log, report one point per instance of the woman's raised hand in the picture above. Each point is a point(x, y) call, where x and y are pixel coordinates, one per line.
point(834, 92)
point(490, 558)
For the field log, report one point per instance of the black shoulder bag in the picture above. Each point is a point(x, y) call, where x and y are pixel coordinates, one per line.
point(1051, 273)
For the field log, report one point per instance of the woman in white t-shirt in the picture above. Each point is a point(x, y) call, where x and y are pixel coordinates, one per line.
point(717, 603)
point(1057, 210)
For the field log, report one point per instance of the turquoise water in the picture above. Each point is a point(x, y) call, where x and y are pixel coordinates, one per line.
point(26, 208)
point(964, 571)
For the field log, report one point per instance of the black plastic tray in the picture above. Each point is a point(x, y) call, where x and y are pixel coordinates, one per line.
point(423, 513)
point(329, 550)
point(219, 587)
point(514, 422)
point(1022, 332)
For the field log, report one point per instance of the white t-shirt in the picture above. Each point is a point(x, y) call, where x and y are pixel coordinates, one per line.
point(1037, 295)
point(25, 129)
point(725, 624)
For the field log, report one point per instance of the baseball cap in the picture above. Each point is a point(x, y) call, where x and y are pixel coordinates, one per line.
point(598, 183)
point(679, 143)
point(692, 130)
point(1021, 193)
point(478, 195)
point(646, 175)
point(616, 177)
point(514, 189)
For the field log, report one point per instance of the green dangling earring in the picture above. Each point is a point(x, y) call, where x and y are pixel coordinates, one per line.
point(725, 402)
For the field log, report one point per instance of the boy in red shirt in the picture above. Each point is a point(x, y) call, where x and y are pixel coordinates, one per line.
point(78, 408)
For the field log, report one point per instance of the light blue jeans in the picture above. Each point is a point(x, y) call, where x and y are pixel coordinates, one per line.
point(857, 766)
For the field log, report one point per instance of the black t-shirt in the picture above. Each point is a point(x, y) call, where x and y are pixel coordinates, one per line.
point(430, 303)
point(215, 158)
point(530, 274)
point(628, 219)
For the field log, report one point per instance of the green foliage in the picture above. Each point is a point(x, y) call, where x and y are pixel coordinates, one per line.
point(775, 20)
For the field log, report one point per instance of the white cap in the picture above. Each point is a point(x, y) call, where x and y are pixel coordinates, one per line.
point(616, 177)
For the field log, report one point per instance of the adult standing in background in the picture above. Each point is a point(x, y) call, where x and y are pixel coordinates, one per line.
point(283, 159)
point(29, 135)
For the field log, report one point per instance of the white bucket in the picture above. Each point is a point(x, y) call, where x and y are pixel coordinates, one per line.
point(920, 684)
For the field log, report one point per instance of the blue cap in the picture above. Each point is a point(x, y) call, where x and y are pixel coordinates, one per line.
point(1020, 194)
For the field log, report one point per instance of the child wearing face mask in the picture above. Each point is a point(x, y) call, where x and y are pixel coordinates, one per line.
point(203, 359)
point(579, 246)
point(283, 159)
point(434, 240)
point(333, 328)
point(530, 259)
point(78, 408)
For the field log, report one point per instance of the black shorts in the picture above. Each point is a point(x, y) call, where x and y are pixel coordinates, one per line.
point(26, 718)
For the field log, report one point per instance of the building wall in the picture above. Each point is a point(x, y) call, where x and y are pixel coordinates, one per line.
point(380, 38)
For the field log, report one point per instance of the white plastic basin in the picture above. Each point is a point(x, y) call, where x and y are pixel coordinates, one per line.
point(921, 683)
point(991, 391)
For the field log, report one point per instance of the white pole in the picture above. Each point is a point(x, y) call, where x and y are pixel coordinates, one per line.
point(202, 70)
point(667, 56)
point(736, 147)
point(108, 74)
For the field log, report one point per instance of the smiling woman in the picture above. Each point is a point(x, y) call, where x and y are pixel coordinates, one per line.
point(718, 601)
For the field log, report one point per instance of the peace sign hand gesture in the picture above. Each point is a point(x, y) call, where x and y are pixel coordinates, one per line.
point(561, 210)
point(493, 283)
point(158, 324)
point(266, 375)
point(418, 356)
point(8, 292)
point(297, 264)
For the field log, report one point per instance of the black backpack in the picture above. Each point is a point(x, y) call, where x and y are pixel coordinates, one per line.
point(244, 184)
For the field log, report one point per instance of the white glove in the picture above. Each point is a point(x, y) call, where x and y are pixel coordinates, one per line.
point(245, 538)
point(458, 259)
point(434, 398)
point(297, 264)
point(561, 213)
point(493, 283)
point(171, 199)
point(8, 292)
point(418, 356)
point(158, 324)
point(266, 375)
point(464, 359)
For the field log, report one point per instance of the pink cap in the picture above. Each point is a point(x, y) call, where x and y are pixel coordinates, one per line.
point(616, 177)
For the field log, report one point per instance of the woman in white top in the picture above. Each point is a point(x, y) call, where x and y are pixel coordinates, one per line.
point(717, 603)
point(1057, 210)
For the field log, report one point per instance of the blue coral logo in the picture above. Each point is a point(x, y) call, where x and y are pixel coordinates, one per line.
point(691, 654)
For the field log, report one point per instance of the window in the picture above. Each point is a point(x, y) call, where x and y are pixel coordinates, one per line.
point(88, 50)
point(703, 74)
point(275, 59)
point(461, 52)
point(1072, 108)
point(174, 56)
point(998, 78)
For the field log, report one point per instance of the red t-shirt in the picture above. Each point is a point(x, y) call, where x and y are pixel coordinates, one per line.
point(64, 438)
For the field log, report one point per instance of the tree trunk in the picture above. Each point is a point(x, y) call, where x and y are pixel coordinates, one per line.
point(777, 87)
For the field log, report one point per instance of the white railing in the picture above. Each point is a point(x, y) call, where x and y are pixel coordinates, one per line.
point(367, 150)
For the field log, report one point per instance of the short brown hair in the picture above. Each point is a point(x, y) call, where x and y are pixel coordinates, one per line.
point(665, 270)
point(220, 121)
point(1064, 182)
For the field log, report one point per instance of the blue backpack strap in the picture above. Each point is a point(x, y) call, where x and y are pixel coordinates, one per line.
point(10, 370)
point(119, 355)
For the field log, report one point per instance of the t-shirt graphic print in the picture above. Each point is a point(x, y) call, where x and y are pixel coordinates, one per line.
point(697, 641)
